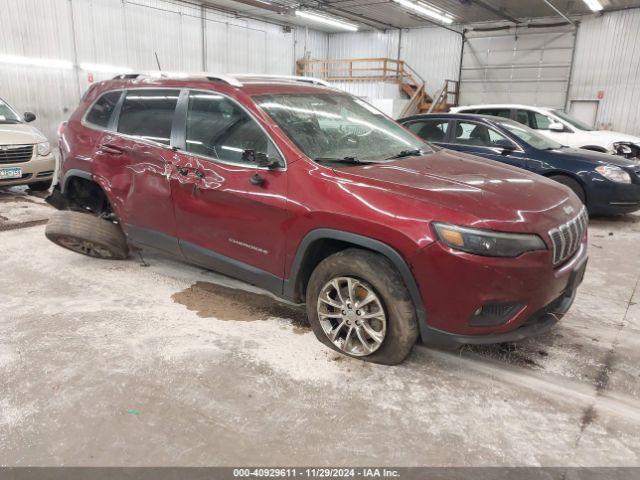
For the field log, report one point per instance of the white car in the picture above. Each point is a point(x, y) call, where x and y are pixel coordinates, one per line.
point(562, 128)
point(25, 155)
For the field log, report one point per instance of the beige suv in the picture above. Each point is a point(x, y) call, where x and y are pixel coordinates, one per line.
point(25, 155)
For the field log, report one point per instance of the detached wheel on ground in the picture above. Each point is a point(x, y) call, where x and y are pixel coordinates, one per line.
point(87, 234)
point(40, 186)
point(358, 305)
point(572, 184)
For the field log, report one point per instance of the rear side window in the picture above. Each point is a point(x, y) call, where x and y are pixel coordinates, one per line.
point(478, 135)
point(496, 112)
point(101, 111)
point(220, 129)
point(430, 130)
point(148, 114)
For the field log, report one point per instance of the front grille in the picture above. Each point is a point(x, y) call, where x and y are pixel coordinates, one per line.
point(566, 238)
point(15, 153)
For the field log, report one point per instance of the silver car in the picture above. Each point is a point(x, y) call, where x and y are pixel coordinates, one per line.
point(25, 155)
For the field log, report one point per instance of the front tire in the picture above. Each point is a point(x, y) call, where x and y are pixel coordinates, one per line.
point(358, 305)
point(40, 186)
point(572, 184)
point(87, 234)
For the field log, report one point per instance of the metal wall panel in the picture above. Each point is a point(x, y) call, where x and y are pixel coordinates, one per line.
point(434, 53)
point(607, 60)
point(129, 33)
point(521, 66)
point(312, 43)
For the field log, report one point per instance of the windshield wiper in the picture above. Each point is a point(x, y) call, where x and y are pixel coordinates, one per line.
point(406, 153)
point(351, 160)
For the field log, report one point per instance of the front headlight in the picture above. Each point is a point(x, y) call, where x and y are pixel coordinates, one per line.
point(44, 149)
point(487, 242)
point(613, 173)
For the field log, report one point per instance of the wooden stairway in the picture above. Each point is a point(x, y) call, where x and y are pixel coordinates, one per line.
point(383, 70)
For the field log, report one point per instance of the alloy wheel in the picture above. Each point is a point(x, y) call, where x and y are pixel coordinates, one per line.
point(352, 316)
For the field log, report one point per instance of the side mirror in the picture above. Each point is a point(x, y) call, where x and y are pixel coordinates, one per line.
point(260, 158)
point(264, 161)
point(556, 127)
point(29, 117)
point(506, 146)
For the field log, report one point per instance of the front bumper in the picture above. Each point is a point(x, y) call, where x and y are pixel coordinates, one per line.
point(38, 169)
point(454, 285)
point(609, 198)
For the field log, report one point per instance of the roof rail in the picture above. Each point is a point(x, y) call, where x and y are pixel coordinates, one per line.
point(295, 78)
point(233, 80)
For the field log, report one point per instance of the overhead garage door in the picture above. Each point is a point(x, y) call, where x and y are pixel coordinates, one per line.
point(529, 67)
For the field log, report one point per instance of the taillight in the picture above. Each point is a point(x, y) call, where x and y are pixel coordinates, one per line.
point(61, 128)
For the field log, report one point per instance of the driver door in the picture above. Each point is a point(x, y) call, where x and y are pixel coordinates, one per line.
point(481, 140)
point(230, 212)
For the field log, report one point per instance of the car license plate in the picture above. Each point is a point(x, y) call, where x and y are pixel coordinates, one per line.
point(13, 172)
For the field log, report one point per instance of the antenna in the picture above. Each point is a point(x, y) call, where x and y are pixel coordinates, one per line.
point(157, 61)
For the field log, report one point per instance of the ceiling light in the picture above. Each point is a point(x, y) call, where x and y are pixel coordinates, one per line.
point(428, 11)
point(101, 67)
point(36, 62)
point(594, 5)
point(326, 20)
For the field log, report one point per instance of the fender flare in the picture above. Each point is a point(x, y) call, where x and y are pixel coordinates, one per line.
point(290, 284)
point(74, 172)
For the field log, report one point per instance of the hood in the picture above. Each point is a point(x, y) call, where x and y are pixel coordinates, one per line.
point(609, 138)
point(19, 133)
point(484, 193)
point(596, 158)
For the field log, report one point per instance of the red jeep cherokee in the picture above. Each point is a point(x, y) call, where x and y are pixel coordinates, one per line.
point(315, 196)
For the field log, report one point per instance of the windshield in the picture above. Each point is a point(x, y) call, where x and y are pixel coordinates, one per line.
point(572, 121)
point(328, 126)
point(7, 114)
point(528, 135)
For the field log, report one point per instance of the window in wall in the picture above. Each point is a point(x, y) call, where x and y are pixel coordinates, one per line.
point(148, 114)
point(220, 129)
point(101, 112)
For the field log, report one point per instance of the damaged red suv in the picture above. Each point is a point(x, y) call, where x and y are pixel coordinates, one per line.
point(317, 197)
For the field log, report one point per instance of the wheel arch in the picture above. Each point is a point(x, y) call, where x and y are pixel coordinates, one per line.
point(572, 176)
point(81, 189)
point(320, 243)
point(594, 148)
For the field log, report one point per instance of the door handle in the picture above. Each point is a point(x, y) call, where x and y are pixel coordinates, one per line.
point(256, 180)
point(111, 149)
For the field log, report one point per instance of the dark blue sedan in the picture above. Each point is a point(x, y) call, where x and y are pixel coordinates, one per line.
point(607, 184)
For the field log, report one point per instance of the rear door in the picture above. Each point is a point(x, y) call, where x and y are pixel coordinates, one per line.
point(231, 213)
point(482, 140)
point(135, 161)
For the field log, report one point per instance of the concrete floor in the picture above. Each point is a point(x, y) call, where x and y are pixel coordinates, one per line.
point(119, 363)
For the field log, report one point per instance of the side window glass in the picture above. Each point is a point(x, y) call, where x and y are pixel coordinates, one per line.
point(496, 112)
point(101, 111)
point(430, 130)
point(522, 116)
point(220, 129)
point(148, 114)
point(542, 122)
point(478, 135)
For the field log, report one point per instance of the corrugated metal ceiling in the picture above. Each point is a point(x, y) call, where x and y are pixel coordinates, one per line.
point(383, 14)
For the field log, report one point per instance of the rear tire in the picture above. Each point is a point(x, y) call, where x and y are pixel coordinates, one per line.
point(40, 186)
point(88, 235)
point(572, 184)
point(382, 330)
